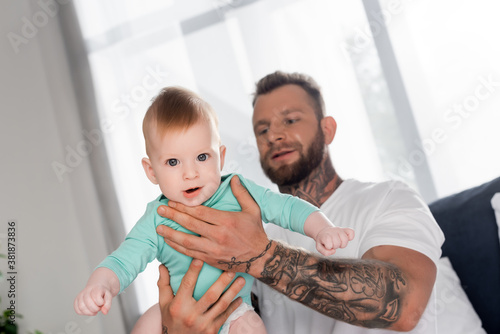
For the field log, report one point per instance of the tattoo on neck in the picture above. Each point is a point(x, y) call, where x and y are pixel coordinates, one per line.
point(164, 329)
point(366, 293)
point(317, 186)
point(234, 263)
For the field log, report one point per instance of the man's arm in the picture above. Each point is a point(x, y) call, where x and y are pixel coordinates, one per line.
point(372, 292)
point(389, 287)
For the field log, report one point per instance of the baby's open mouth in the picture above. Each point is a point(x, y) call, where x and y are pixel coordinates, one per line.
point(189, 191)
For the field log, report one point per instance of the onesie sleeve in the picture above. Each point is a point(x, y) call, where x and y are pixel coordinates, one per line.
point(284, 210)
point(139, 248)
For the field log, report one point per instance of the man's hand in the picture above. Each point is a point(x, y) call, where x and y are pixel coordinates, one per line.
point(183, 314)
point(228, 240)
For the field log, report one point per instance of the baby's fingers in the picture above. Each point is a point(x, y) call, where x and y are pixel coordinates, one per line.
point(350, 233)
point(76, 305)
point(84, 305)
point(326, 251)
point(328, 242)
point(107, 302)
point(345, 237)
point(94, 301)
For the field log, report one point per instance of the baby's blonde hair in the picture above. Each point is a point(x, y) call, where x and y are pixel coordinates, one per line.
point(176, 108)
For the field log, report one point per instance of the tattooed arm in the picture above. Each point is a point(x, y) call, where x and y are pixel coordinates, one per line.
point(388, 288)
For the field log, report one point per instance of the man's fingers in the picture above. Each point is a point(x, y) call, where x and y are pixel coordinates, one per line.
point(183, 242)
point(245, 200)
point(232, 307)
point(189, 280)
point(202, 213)
point(215, 291)
point(188, 252)
point(221, 319)
point(164, 231)
point(165, 290)
point(224, 304)
point(182, 239)
point(191, 218)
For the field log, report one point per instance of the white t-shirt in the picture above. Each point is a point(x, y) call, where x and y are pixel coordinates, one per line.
point(388, 213)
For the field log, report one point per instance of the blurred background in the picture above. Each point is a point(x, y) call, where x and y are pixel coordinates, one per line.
point(413, 84)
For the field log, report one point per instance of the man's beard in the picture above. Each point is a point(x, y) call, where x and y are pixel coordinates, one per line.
point(288, 175)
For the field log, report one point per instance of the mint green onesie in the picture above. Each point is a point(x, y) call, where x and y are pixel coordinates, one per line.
point(142, 245)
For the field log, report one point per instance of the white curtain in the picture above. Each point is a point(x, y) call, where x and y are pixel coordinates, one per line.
point(220, 48)
point(450, 60)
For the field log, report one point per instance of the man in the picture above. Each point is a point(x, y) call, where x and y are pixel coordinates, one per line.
point(382, 279)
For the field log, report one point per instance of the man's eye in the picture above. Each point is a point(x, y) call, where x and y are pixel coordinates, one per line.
point(203, 157)
point(262, 131)
point(290, 121)
point(172, 162)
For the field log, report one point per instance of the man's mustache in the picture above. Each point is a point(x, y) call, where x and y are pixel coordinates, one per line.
point(282, 148)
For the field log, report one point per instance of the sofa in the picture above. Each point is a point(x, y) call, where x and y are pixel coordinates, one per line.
point(472, 246)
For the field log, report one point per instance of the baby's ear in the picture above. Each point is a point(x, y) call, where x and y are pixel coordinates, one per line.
point(148, 168)
point(222, 150)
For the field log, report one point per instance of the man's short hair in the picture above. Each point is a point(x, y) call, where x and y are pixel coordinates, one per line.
point(278, 79)
point(176, 108)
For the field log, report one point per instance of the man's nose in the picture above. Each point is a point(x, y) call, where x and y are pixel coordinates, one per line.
point(275, 133)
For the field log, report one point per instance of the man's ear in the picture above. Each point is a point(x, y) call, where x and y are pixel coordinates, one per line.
point(148, 168)
point(329, 127)
point(222, 150)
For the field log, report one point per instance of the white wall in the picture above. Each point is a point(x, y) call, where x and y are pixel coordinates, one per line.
point(59, 238)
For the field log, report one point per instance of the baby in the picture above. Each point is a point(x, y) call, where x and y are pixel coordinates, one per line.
point(185, 158)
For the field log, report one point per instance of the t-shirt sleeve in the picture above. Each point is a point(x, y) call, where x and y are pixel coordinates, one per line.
point(139, 248)
point(285, 210)
point(403, 219)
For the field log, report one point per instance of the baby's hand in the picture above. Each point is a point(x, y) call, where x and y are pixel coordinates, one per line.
point(92, 299)
point(331, 238)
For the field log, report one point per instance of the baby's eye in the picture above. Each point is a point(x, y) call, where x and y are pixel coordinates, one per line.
point(172, 162)
point(203, 157)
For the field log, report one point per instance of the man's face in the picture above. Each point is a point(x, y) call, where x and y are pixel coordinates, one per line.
point(289, 137)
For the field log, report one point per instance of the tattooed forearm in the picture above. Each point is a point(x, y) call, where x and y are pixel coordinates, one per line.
point(164, 329)
point(248, 264)
point(361, 292)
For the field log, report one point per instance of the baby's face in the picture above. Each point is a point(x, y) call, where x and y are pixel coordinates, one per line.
point(187, 163)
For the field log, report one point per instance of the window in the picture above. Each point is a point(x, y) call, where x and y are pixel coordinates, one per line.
point(450, 67)
point(220, 48)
